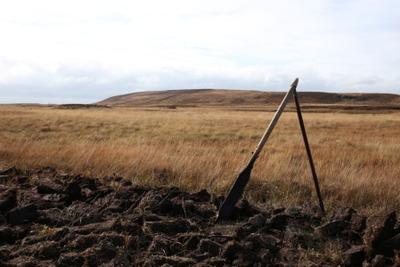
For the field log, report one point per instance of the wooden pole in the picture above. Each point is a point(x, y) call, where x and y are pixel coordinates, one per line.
point(310, 159)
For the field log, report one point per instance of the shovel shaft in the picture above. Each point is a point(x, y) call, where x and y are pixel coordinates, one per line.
point(274, 120)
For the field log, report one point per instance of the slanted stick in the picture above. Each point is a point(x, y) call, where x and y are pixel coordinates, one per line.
point(237, 188)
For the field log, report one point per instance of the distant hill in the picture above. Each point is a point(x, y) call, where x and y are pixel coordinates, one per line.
point(223, 97)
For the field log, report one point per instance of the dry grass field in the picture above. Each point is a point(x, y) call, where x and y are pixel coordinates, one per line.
point(356, 155)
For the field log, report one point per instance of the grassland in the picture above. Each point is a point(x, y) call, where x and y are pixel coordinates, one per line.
point(356, 155)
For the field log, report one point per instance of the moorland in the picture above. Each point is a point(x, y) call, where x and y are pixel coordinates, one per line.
point(201, 139)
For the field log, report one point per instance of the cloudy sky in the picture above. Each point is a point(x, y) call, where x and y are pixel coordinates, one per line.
point(84, 51)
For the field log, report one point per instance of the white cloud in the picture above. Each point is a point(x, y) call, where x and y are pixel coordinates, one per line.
point(88, 50)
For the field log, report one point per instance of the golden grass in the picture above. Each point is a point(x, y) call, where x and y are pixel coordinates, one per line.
point(356, 155)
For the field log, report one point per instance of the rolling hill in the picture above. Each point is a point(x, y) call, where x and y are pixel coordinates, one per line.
point(223, 97)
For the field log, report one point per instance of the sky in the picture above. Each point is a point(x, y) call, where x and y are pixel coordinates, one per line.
point(83, 51)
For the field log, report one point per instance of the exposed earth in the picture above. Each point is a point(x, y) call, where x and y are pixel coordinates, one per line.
point(54, 219)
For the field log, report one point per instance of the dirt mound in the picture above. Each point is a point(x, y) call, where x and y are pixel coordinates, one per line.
point(52, 219)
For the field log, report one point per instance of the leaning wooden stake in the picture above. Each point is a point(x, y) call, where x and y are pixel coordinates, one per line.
point(237, 188)
point(310, 159)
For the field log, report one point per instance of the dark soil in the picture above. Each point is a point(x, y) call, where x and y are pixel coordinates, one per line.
point(52, 219)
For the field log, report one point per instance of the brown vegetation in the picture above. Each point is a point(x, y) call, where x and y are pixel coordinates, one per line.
point(356, 155)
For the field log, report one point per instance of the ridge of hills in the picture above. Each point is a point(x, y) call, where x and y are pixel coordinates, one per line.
point(226, 97)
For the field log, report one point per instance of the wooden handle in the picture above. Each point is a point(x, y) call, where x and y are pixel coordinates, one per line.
point(274, 120)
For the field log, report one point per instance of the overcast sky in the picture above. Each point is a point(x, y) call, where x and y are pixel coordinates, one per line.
point(84, 51)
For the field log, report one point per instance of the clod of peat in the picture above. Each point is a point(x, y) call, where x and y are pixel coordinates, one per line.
point(343, 213)
point(22, 215)
point(358, 222)
point(379, 228)
point(7, 200)
point(355, 256)
point(330, 229)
